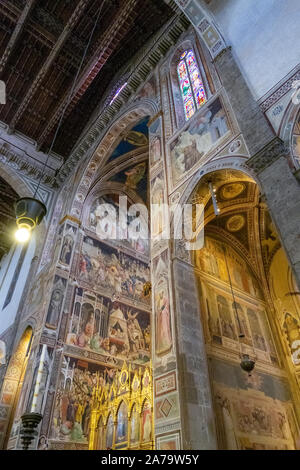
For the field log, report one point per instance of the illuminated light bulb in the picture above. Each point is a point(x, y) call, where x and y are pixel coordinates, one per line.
point(22, 235)
point(29, 213)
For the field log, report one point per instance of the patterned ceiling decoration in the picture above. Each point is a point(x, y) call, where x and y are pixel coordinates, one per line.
point(42, 44)
point(232, 191)
point(235, 223)
point(244, 220)
point(238, 200)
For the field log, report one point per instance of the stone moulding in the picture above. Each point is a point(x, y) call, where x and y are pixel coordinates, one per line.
point(275, 149)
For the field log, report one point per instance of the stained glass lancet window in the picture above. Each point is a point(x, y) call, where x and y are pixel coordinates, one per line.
point(191, 85)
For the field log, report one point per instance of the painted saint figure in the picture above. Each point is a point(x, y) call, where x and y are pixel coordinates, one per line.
point(146, 423)
point(163, 323)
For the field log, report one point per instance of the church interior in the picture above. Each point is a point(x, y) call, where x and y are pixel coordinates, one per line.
point(149, 230)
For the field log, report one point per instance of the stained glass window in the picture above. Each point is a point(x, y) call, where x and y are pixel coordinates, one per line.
point(191, 85)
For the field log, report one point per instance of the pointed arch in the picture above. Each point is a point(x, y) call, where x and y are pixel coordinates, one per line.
point(12, 384)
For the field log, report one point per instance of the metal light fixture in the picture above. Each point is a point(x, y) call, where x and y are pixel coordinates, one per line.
point(29, 213)
point(247, 364)
point(30, 422)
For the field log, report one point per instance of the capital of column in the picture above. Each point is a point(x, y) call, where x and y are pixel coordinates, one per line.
point(71, 218)
point(267, 155)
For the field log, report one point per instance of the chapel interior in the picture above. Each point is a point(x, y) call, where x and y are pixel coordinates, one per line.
point(149, 225)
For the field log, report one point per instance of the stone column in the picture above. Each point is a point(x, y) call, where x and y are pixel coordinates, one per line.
point(252, 122)
point(268, 158)
point(282, 192)
point(197, 415)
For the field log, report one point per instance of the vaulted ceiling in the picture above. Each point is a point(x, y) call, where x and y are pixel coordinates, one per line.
point(42, 43)
point(244, 219)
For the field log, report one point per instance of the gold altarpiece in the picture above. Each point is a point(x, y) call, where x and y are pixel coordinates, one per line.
point(122, 412)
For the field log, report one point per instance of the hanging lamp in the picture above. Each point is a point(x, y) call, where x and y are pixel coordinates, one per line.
point(29, 213)
point(247, 364)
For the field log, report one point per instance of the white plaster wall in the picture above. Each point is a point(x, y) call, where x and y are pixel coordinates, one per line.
point(264, 35)
point(7, 269)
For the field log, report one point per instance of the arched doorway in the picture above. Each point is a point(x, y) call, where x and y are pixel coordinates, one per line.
point(11, 400)
point(238, 274)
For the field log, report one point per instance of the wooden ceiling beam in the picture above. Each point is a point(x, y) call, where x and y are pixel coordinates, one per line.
point(49, 62)
point(107, 44)
point(16, 34)
point(36, 30)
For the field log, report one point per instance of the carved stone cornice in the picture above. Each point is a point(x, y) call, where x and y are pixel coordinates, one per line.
point(267, 155)
point(27, 165)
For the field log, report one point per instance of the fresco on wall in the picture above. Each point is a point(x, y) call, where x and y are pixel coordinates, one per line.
point(207, 130)
point(256, 329)
point(296, 142)
point(109, 328)
point(39, 292)
point(56, 302)
point(72, 411)
point(67, 245)
point(157, 199)
point(292, 332)
point(155, 138)
point(232, 323)
point(149, 89)
point(227, 325)
point(241, 324)
point(163, 326)
point(102, 266)
point(211, 260)
point(136, 137)
point(135, 177)
point(256, 415)
point(115, 232)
